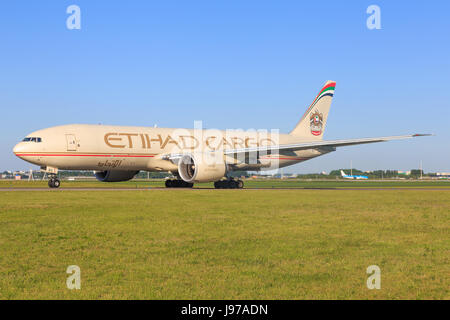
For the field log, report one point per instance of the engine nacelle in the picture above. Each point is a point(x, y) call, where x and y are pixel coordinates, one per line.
point(200, 168)
point(115, 176)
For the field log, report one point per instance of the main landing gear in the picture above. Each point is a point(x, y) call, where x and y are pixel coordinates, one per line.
point(172, 183)
point(229, 184)
point(54, 183)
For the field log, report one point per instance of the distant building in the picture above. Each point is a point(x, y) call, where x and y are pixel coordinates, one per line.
point(443, 174)
point(404, 173)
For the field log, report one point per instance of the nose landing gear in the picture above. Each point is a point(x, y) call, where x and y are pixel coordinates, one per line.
point(52, 173)
point(54, 183)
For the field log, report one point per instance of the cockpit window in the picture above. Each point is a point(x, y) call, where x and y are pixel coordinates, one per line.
point(32, 139)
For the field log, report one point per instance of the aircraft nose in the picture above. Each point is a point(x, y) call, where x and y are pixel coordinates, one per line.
point(19, 148)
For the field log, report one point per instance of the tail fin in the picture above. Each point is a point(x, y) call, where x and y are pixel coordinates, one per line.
point(343, 173)
point(312, 124)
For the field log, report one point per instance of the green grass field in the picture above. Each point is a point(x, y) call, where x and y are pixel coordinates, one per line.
point(225, 244)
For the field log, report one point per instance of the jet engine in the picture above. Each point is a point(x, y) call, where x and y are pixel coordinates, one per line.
point(115, 176)
point(201, 168)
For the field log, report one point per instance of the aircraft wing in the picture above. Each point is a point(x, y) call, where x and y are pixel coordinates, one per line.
point(316, 144)
point(302, 146)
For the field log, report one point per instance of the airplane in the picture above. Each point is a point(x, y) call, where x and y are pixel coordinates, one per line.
point(355, 177)
point(118, 153)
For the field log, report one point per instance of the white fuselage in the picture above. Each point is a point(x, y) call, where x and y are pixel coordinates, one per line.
point(100, 147)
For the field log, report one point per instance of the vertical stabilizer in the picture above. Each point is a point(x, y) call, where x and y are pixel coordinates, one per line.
point(312, 124)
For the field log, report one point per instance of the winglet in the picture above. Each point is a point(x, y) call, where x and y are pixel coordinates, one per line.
point(423, 135)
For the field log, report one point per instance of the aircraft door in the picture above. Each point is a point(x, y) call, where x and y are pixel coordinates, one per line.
point(71, 142)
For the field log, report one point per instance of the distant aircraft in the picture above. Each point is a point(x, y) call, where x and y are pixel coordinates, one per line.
point(118, 153)
point(354, 177)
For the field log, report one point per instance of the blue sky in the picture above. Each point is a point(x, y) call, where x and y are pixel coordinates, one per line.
point(233, 64)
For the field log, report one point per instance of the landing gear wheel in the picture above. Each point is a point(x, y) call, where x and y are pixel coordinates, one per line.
point(229, 184)
point(54, 183)
point(178, 184)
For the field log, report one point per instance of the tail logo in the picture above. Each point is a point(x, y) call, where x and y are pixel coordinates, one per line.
point(316, 123)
